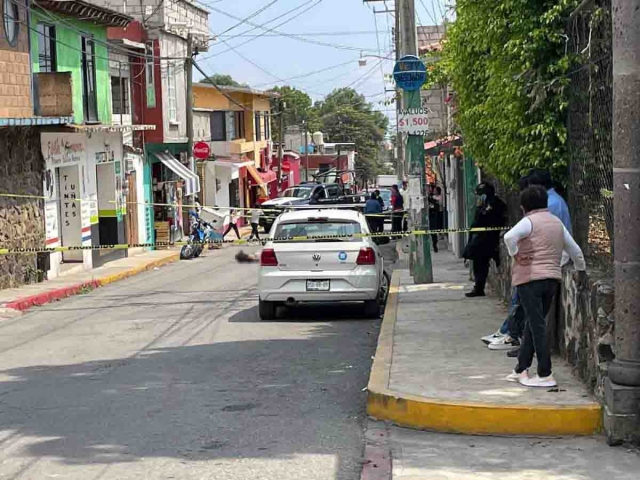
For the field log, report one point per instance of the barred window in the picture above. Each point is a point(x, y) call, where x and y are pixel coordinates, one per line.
point(46, 47)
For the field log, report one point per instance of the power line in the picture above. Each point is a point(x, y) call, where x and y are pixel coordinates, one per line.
point(317, 2)
point(60, 21)
point(333, 67)
point(301, 39)
point(311, 34)
point(244, 20)
point(375, 21)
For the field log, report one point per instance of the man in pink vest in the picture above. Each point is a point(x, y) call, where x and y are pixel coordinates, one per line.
point(536, 244)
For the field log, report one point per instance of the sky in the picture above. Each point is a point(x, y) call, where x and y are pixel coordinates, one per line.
point(350, 26)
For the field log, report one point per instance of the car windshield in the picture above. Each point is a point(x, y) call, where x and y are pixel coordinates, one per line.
point(299, 192)
point(386, 195)
point(322, 229)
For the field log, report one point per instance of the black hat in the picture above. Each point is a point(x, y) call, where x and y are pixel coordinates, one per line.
point(485, 188)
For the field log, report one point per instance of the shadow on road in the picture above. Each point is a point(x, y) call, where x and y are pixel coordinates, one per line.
point(271, 399)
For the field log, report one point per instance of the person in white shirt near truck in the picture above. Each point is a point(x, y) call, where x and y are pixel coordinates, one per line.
point(536, 244)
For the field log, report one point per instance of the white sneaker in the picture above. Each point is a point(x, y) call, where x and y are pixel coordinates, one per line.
point(504, 343)
point(517, 377)
point(494, 336)
point(539, 381)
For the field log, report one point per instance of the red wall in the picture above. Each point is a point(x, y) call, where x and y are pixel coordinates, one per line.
point(142, 115)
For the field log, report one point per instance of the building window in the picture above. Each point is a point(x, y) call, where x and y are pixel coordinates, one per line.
point(218, 127)
point(267, 127)
point(172, 98)
point(89, 101)
point(46, 47)
point(239, 131)
point(150, 78)
point(11, 19)
point(258, 131)
point(120, 95)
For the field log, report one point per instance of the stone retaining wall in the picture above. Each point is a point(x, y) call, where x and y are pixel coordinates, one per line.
point(22, 221)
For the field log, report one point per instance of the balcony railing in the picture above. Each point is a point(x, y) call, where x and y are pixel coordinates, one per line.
point(52, 94)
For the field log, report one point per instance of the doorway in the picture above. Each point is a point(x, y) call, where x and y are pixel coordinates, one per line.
point(132, 209)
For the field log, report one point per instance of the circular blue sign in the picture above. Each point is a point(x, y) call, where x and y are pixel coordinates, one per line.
point(410, 73)
point(342, 256)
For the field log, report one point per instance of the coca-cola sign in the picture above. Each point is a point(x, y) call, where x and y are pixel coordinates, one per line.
point(201, 150)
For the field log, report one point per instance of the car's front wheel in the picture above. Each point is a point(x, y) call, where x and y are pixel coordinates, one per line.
point(266, 310)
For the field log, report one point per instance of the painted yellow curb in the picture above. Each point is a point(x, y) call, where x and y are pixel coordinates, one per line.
point(136, 270)
point(465, 417)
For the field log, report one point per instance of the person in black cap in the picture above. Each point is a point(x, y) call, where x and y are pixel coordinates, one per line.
point(483, 246)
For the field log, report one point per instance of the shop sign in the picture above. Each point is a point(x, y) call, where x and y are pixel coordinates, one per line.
point(201, 150)
point(414, 121)
point(63, 149)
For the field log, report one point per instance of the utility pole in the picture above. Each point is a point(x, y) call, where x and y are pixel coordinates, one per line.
point(188, 65)
point(399, 143)
point(420, 245)
point(622, 386)
point(306, 153)
point(283, 105)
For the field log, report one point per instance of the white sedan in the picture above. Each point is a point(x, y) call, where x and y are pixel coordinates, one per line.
point(318, 268)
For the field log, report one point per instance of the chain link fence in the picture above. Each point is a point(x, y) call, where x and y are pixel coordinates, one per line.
point(589, 143)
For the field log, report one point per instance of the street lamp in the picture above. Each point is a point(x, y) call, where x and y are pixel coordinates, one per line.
point(362, 61)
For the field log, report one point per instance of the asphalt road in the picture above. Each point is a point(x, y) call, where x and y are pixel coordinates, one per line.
point(170, 375)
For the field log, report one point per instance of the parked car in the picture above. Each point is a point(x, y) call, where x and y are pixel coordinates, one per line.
point(319, 268)
point(303, 194)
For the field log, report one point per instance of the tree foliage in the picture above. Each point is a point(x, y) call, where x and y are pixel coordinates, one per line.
point(507, 63)
point(298, 109)
point(346, 116)
point(343, 116)
point(223, 80)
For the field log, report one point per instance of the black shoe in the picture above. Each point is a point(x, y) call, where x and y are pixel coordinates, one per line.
point(474, 293)
point(513, 353)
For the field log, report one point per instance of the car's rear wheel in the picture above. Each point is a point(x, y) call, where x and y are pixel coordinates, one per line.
point(266, 310)
point(373, 308)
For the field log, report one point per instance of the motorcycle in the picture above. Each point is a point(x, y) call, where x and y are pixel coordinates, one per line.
point(201, 232)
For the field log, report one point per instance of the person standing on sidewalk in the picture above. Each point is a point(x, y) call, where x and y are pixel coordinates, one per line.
point(483, 246)
point(536, 244)
point(255, 220)
point(397, 204)
point(509, 334)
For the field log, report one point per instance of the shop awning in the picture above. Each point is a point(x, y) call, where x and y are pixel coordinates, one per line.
point(261, 179)
point(191, 180)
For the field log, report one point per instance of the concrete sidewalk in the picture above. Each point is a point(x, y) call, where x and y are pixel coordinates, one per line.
point(431, 370)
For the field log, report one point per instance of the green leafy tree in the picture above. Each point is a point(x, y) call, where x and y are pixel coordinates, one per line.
point(508, 65)
point(345, 116)
point(298, 109)
point(223, 80)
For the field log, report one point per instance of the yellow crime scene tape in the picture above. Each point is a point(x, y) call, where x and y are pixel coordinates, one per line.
point(241, 242)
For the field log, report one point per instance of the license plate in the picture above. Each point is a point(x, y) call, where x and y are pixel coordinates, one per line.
point(318, 285)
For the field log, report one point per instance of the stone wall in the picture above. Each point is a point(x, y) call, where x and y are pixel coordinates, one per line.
point(21, 219)
point(582, 330)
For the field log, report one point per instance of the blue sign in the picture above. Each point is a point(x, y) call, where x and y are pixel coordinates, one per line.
point(342, 256)
point(410, 73)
